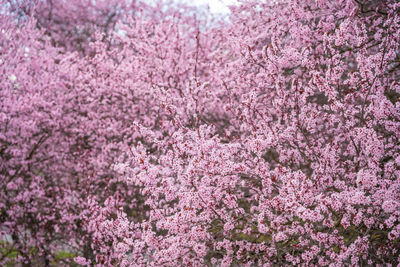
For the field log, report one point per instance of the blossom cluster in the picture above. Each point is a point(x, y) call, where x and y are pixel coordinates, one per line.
point(150, 135)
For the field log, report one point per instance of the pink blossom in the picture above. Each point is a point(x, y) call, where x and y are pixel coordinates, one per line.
point(137, 134)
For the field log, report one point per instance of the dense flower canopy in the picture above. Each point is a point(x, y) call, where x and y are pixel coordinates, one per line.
point(147, 135)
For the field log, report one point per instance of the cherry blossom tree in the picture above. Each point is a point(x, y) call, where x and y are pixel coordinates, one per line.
point(147, 135)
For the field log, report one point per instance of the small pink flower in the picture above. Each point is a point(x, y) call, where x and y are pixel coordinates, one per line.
point(82, 261)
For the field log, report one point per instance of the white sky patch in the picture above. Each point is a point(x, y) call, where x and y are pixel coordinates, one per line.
point(216, 6)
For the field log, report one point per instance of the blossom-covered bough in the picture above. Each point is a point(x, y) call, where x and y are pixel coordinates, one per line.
point(143, 135)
